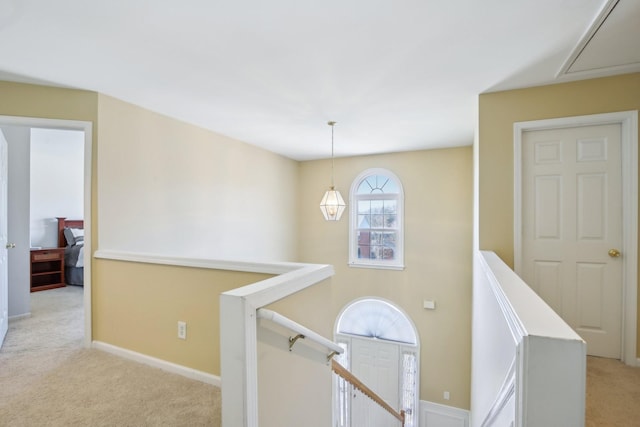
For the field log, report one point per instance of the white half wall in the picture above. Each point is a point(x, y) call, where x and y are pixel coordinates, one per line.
point(57, 182)
point(528, 365)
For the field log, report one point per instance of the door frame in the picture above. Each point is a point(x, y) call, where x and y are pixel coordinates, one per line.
point(87, 128)
point(628, 120)
point(347, 339)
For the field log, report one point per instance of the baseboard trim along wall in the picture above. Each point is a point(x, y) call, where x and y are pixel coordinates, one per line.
point(431, 414)
point(22, 316)
point(437, 415)
point(158, 363)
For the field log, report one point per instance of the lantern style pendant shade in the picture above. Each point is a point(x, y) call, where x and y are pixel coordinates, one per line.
point(332, 204)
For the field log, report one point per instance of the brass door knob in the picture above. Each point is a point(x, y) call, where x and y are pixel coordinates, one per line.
point(614, 253)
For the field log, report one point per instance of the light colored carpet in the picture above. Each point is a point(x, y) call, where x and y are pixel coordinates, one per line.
point(48, 379)
point(613, 394)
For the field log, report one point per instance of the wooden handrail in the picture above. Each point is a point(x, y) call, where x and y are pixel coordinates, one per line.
point(354, 381)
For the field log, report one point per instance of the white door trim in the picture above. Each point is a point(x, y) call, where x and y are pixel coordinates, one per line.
point(87, 127)
point(629, 132)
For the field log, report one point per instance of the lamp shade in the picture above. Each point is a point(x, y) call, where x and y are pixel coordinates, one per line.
point(332, 205)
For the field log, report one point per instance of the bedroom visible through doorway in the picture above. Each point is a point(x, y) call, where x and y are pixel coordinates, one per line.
point(50, 177)
point(56, 197)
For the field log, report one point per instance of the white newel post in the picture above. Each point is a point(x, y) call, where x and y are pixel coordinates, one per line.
point(238, 362)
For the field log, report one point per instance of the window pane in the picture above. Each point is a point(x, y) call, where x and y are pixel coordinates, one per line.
point(377, 221)
point(390, 206)
point(374, 252)
point(391, 187)
point(409, 378)
point(364, 221)
point(389, 239)
point(364, 237)
point(378, 184)
point(364, 206)
point(377, 206)
point(364, 188)
point(363, 244)
point(364, 251)
point(382, 252)
point(381, 245)
point(390, 221)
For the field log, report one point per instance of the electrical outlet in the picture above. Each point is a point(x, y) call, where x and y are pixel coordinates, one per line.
point(446, 395)
point(182, 330)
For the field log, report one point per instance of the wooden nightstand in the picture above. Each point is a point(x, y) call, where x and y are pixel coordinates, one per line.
point(47, 269)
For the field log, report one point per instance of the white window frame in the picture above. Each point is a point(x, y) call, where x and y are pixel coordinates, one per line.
point(354, 261)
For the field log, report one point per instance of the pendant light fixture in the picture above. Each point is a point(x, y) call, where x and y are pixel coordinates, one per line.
point(332, 204)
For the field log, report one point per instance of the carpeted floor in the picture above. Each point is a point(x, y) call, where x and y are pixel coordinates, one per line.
point(613, 394)
point(48, 379)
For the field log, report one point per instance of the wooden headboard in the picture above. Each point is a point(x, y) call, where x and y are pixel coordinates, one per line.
point(70, 223)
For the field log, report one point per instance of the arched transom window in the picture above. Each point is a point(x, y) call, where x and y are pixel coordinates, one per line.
point(378, 319)
point(376, 221)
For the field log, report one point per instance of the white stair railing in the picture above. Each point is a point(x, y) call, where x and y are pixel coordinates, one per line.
point(302, 332)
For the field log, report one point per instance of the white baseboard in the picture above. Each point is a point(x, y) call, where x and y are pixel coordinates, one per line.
point(437, 415)
point(19, 316)
point(159, 363)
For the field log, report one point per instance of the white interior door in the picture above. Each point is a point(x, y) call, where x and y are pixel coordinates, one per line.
point(4, 271)
point(571, 222)
point(375, 363)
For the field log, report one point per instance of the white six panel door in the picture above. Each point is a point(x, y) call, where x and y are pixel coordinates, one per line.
point(375, 363)
point(571, 219)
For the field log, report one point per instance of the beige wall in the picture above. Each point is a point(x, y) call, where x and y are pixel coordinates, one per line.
point(24, 100)
point(438, 242)
point(173, 189)
point(170, 188)
point(500, 110)
point(137, 306)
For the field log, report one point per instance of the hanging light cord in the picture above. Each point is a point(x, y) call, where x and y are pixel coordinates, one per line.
point(332, 124)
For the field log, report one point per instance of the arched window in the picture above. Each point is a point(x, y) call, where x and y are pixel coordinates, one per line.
point(376, 229)
point(377, 319)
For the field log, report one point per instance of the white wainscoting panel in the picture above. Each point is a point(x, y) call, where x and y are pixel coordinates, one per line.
point(437, 415)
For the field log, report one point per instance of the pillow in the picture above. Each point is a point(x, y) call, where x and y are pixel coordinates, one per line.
point(74, 236)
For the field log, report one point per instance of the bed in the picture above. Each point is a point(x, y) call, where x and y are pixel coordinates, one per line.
point(71, 237)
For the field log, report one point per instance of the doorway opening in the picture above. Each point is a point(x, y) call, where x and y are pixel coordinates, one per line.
point(22, 233)
point(382, 349)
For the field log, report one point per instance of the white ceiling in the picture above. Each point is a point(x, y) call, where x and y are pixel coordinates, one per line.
point(396, 75)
